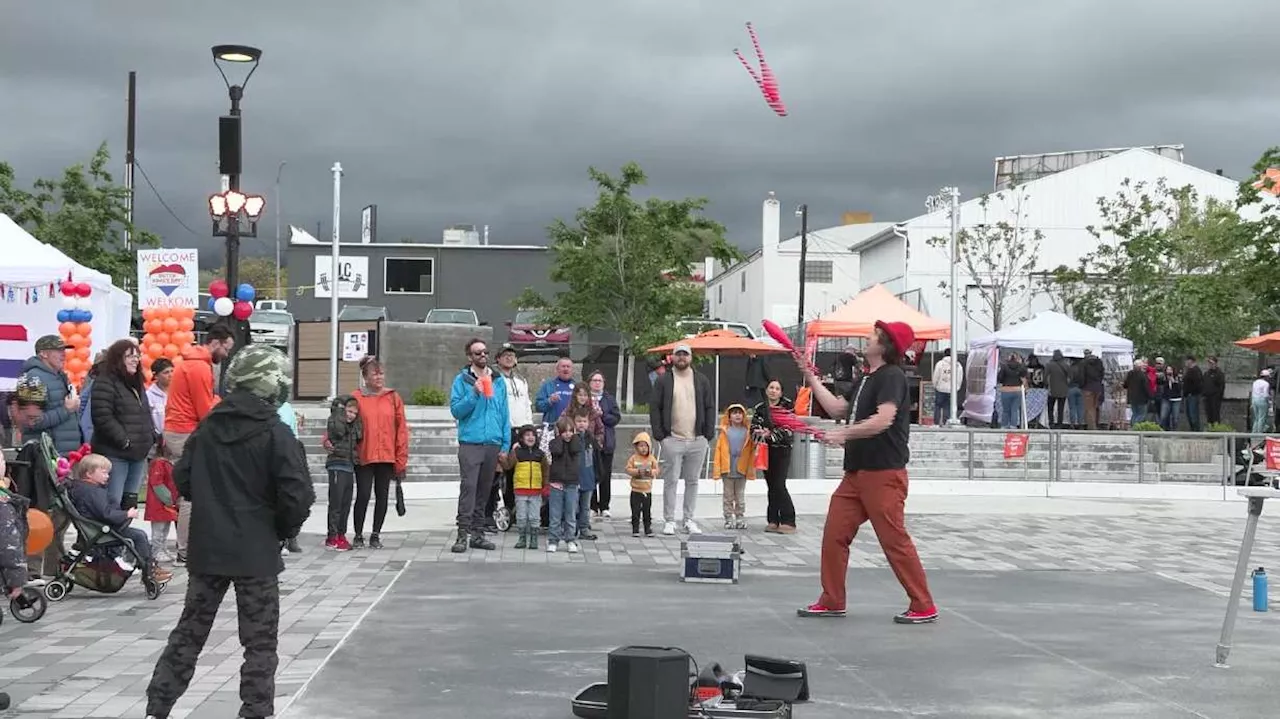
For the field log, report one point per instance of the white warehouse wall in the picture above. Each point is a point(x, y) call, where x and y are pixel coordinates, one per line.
point(1062, 206)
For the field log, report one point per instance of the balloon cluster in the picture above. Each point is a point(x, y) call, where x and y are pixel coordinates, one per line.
point(169, 331)
point(222, 304)
point(73, 327)
point(67, 463)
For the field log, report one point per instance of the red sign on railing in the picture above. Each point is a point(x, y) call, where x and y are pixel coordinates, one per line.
point(1015, 445)
point(1272, 452)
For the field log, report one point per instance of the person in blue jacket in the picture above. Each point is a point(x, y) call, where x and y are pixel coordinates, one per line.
point(555, 394)
point(478, 401)
point(61, 417)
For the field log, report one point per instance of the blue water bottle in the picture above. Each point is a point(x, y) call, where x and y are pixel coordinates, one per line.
point(1259, 590)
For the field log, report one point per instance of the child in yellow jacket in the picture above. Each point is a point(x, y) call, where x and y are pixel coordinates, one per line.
point(642, 467)
point(734, 463)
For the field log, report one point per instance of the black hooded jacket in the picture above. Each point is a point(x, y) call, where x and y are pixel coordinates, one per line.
point(122, 426)
point(246, 476)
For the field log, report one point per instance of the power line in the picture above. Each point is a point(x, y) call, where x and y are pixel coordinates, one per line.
point(163, 204)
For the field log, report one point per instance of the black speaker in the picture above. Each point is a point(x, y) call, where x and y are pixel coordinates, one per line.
point(768, 678)
point(648, 683)
point(229, 145)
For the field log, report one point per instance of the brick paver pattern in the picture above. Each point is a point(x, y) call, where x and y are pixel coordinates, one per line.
point(92, 655)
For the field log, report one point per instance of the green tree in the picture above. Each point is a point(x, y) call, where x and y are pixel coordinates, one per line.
point(625, 264)
point(1258, 268)
point(257, 271)
point(997, 259)
point(82, 213)
point(1168, 272)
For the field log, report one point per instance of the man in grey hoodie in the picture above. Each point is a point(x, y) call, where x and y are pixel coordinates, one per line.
point(61, 416)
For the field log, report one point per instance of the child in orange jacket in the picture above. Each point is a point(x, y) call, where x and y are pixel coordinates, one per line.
point(642, 467)
point(734, 463)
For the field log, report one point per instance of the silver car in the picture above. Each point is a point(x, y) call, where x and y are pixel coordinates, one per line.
point(271, 327)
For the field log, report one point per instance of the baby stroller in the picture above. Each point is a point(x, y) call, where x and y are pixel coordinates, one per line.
point(92, 561)
point(30, 606)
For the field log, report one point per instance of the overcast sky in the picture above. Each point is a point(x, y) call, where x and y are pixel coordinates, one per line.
point(490, 112)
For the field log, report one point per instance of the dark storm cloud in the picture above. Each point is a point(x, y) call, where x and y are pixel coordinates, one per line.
point(489, 113)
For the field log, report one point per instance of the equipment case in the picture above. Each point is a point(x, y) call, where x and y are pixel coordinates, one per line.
point(593, 703)
point(710, 559)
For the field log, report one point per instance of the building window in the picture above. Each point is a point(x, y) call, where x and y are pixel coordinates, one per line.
point(743, 277)
point(408, 275)
point(720, 294)
point(819, 271)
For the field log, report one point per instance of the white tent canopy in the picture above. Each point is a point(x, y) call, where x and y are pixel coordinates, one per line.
point(1049, 331)
point(28, 270)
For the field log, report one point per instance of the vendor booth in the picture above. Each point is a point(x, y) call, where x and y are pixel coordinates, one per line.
point(1040, 336)
point(31, 278)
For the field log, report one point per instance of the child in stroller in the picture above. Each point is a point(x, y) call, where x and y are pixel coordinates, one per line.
point(26, 603)
point(108, 550)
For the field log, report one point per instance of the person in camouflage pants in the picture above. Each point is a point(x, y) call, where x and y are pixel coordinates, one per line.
point(263, 495)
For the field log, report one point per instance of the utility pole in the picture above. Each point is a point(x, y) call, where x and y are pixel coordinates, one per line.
point(803, 213)
point(130, 139)
point(279, 290)
point(335, 286)
point(950, 197)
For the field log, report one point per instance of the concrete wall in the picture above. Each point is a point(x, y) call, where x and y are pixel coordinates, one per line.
point(417, 355)
point(484, 278)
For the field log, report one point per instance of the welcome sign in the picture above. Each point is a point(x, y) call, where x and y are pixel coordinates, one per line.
point(168, 278)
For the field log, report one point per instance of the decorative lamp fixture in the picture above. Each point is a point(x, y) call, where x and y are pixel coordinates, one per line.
point(236, 208)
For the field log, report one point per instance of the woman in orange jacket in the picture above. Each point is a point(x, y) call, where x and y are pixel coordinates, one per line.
point(383, 452)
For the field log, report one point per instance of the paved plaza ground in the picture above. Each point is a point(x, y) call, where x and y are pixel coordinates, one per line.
point(1112, 612)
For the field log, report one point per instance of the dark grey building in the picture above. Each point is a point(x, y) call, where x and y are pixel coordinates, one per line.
point(409, 279)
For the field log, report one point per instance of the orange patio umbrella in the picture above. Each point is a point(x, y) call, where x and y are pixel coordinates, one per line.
point(721, 343)
point(1266, 344)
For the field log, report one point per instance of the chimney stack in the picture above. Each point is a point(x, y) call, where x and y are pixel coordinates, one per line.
point(771, 226)
point(486, 234)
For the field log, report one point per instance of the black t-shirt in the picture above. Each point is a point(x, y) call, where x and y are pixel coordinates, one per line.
point(891, 448)
point(1011, 375)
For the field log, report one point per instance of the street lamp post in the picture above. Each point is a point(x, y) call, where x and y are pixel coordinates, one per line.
point(279, 290)
point(233, 58)
point(949, 197)
point(803, 213)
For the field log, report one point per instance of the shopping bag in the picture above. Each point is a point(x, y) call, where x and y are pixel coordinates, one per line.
point(400, 508)
point(762, 457)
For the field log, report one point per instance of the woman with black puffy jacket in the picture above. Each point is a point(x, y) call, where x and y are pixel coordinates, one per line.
point(781, 515)
point(123, 431)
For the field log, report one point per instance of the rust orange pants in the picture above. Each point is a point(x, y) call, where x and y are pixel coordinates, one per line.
point(879, 496)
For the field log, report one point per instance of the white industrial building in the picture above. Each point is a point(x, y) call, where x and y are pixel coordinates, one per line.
point(1057, 194)
point(766, 285)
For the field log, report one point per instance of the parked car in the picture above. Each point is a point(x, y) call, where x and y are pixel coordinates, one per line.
point(279, 305)
point(452, 317)
point(271, 327)
point(695, 326)
point(363, 313)
point(528, 336)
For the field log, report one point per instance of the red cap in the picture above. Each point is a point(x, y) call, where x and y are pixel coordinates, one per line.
point(900, 333)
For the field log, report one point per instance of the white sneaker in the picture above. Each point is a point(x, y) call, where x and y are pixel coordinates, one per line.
point(573, 547)
point(606, 514)
point(728, 523)
point(691, 528)
point(551, 547)
point(669, 528)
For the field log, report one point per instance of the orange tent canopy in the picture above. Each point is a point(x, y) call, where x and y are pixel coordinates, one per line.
point(858, 317)
point(1266, 344)
point(720, 342)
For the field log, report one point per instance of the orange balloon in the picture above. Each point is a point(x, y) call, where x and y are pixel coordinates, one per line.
point(149, 314)
point(84, 328)
point(177, 361)
point(186, 324)
point(66, 328)
point(163, 338)
point(187, 338)
point(171, 351)
point(147, 339)
point(75, 340)
point(82, 353)
point(155, 349)
point(170, 324)
point(147, 361)
point(155, 326)
point(40, 531)
point(73, 365)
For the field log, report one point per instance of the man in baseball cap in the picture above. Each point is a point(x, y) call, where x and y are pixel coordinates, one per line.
point(874, 486)
point(247, 480)
point(683, 420)
point(61, 409)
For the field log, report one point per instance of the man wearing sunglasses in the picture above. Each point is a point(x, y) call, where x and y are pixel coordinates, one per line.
point(478, 401)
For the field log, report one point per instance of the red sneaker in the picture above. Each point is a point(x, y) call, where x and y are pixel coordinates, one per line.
point(329, 542)
point(914, 617)
point(818, 610)
point(341, 544)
